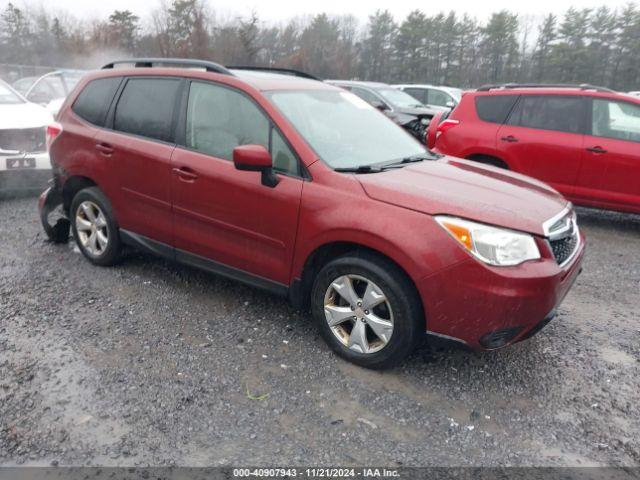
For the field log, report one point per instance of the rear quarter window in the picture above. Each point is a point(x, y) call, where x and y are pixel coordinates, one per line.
point(146, 107)
point(494, 108)
point(94, 100)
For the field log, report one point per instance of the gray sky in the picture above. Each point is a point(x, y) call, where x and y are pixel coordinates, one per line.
point(276, 10)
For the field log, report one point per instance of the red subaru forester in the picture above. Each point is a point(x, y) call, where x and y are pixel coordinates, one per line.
point(304, 189)
point(582, 140)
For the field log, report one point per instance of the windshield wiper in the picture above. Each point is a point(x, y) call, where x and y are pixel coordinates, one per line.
point(411, 159)
point(359, 169)
point(376, 168)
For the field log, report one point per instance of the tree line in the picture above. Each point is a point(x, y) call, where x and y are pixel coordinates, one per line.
point(599, 46)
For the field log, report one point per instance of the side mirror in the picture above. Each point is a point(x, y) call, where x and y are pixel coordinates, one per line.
point(451, 104)
point(380, 105)
point(255, 158)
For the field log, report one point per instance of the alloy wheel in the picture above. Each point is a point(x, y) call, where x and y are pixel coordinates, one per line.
point(91, 226)
point(358, 313)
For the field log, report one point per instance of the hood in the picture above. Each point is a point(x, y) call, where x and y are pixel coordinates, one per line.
point(419, 111)
point(23, 115)
point(402, 118)
point(469, 190)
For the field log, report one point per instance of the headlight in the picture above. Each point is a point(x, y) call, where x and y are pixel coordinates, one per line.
point(492, 245)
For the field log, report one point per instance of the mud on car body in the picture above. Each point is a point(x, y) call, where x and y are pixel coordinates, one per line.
point(304, 189)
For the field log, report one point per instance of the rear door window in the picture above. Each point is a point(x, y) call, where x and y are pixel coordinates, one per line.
point(550, 112)
point(146, 107)
point(94, 100)
point(619, 120)
point(494, 108)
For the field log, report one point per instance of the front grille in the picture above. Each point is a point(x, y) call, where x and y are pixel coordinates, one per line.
point(27, 140)
point(564, 248)
point(563, 237)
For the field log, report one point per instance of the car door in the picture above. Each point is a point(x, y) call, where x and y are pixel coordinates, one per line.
point(610, 174)
point(138, 147)
point(226, 219)
point(543, 137)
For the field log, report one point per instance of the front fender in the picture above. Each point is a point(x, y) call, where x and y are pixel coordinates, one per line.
point(342, 212)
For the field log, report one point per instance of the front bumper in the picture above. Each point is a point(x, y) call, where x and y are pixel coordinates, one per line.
point(25, 179)
point(488, 307)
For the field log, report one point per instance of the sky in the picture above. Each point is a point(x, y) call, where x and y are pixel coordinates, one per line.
point(279, 10)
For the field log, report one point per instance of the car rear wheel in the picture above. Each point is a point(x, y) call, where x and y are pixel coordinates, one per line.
point(94, 227)
point(367, 310)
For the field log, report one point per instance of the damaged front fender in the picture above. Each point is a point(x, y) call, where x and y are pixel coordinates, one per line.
point(55, 223)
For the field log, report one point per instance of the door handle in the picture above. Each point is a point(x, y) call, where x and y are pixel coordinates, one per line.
point(104, 149)
point(509, 138)
point(597, 150)
point(186, 174)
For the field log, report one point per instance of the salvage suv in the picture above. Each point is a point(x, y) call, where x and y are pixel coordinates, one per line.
point(305, 190)
point(582, 140)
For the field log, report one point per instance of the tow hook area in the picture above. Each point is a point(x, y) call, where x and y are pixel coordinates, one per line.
point(54, 221)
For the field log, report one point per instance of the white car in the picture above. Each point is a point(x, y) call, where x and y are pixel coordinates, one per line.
point(444, 98)
point(49, 90)
point(24, 161)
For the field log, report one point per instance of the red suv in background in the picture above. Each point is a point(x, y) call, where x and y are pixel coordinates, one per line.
point(584, 141)
point(306, 190)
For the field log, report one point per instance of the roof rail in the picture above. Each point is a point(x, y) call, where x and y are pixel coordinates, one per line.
point(283, 71)
point(171, 62)
point(581, 86)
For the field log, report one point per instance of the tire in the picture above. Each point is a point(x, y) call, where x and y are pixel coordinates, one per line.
point(103, 226)
point(401, 307)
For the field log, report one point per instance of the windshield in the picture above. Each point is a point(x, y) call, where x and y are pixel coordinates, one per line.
point(7, 95)
point(344, 130)
point(399, 98)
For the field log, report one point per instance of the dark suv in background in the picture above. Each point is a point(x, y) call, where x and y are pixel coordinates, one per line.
point(582, 140)
point(402, 108)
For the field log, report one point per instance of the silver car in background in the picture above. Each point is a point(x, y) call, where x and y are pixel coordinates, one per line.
point(437, 97)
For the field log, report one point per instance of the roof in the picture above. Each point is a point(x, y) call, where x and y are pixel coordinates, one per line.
point(425, 85)
point(264, 81)
point(359, 83)
point(555, 90)
point(278, 81)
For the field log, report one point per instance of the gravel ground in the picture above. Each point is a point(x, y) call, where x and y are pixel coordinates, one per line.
point(151, 363)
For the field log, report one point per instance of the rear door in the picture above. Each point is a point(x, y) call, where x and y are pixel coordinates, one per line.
point(610, 175)
point(543, 137)
point(137, 147)
point(225, 216)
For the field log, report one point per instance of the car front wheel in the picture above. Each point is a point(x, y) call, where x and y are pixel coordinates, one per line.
point(367, 310)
